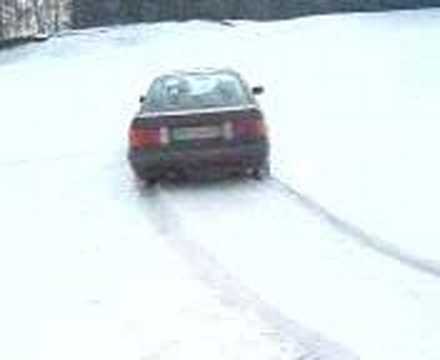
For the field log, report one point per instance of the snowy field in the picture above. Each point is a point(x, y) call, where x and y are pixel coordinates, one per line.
point(93, 267)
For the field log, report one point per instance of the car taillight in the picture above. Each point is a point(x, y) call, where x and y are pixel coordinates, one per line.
point(148, 137)
point(249, 129)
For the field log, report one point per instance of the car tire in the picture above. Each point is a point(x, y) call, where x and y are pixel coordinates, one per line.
point(151, 182)
point(263, 172)
point(142, 175)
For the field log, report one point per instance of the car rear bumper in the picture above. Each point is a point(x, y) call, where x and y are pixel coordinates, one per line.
point(216, 160)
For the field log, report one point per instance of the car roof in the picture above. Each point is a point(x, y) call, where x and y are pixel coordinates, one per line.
point(200, 71)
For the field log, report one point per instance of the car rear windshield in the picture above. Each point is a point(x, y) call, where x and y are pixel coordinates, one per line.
point(196, 91)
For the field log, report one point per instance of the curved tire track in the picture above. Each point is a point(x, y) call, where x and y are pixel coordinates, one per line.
point(371, 241)
point(295, 340)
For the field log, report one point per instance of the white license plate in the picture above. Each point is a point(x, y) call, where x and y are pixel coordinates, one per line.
point(196, 133)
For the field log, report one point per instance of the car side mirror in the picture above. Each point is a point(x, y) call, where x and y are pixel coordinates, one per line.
point(141, 99)
point(257, 90)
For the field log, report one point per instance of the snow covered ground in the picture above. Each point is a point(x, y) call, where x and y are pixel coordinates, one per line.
point(93, 267)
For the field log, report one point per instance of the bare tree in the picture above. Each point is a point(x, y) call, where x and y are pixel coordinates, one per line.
point(57, 16)
point(38, 16)
point(2, 25)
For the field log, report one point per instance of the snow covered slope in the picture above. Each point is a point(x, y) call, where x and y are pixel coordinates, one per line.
point(356, 120)
point(310, 271)
point(84, 271)
point(93, 268)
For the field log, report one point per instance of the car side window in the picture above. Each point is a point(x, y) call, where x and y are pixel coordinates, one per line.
point(230, 92)
point(154, 97)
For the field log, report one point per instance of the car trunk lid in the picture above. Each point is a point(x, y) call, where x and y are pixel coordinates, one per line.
point(203, 127)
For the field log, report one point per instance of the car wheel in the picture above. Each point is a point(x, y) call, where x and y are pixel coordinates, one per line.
point(142, 176)
point(150, 182)
point(263, 172)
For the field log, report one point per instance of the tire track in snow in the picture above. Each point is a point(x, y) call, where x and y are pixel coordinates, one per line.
point(295, 341)
point(373, 242)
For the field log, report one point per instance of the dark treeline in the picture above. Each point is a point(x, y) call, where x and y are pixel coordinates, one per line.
point(22, 18)
point(93, 12)
point(100, 12)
